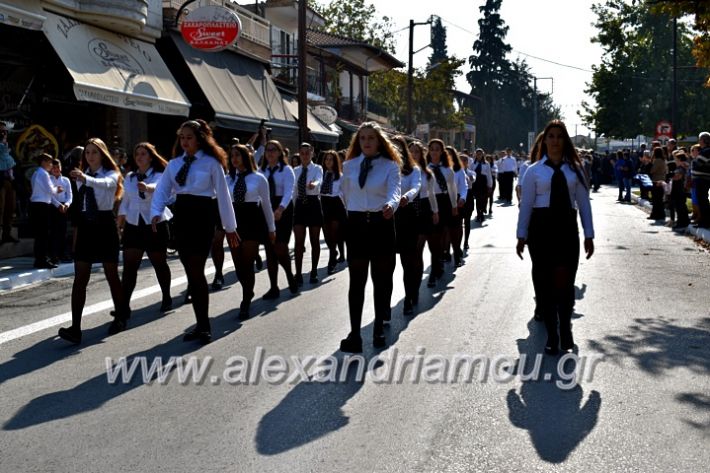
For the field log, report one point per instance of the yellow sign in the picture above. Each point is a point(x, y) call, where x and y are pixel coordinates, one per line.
point(34, 141)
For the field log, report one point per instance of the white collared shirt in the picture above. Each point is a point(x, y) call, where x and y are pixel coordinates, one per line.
point(382, 186)
point(284, 183)
point(336, 186)
point(485, 172)
point(65, 197)
point(205, 179)
point(427, 191)
point(314, 175)
point(507, 164)
point(412, 184)
point(42, 188)
point(461, 183)
point(257, 192)
point(132, 206)
point(536, 189)
point(521, 172)
point(104, 184)
point(450, 183)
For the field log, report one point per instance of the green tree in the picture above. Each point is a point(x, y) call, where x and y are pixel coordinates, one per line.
point(438, 42)
point(632, 86)
point(354, 19)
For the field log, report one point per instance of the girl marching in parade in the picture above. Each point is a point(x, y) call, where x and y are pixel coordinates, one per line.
point(371, 190)
point(483, 187)
point(456, 228)
point(445, 191)
point(333, 209)
point(99, 186)
point(196, 176)
point(135, 223)
point(553, 190)
point(307, 212)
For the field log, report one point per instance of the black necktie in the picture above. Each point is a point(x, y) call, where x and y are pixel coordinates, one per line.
point(141, 177)
point(272, 183)
point(302, 185)
point(181, 177)
point(559, 193)
point(440, 179)
point(365, 167)
point(240, 187)
point(327, 187)
point(479, 169)
point(91, 208)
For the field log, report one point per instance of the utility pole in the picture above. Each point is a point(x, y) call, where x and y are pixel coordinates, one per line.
point(302, 74)
point(535, 79)
point(410, 72)
point(674, 104)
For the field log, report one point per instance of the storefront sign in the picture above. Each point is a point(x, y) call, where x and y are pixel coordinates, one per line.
point(211, 28)
point(33, 142)
point(326, 114)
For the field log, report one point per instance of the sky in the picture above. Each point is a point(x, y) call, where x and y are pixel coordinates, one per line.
point(553, 30)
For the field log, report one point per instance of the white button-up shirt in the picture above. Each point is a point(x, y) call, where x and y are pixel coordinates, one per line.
point(104, 184)
point(461, 184)
point(42, 188)
point(411, 184)
point(427, 191)
point(336, 186)
point(382, 186)
point(314, 176)
point(257, 192)
point(450, 183)
point(284, 183)
point(536, 188)
point(65, 197)
point(485, 172)
point(507, 164)
point(205, 179)
point(132, 206)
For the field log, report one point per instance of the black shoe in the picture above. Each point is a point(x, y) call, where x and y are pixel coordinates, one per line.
point(415, 299)
point(299, 279)
point(272, 293)
point(70, 335)
point(408, 308)
point(118, 325)
point(217, 282)
point(203, 336)
point(331, 266)
point(551, 351)
point(432, 281)
point(244, 308)
point(127, 315)
point(387, 316)
point(447, 257)
point(341, 259)
point(292, 285)
point(167, 304)
point(259, 263)
point(351, 345)
point(379, 340)
point(188, 297)
point(44, 265)
point(537, 317)
point(465, 246)
point(314, 278)
point(459, 262)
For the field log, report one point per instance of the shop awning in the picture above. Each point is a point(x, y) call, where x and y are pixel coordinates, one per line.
point(113, 69)
point(239, 90)
point(22, 13)
point(319, 131)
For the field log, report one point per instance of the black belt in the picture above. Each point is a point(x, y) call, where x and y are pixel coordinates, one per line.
point(367, 216)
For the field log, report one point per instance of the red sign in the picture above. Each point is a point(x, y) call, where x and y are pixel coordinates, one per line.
point(664, 128)
point(211, 28)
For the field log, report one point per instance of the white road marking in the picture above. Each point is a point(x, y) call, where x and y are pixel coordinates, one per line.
point(94, 308)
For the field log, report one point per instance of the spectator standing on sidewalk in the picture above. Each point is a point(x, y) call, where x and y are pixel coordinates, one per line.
point(623, 176)
point(7, 189)
point(43, 194)
point(701, 178)
point(658, 172)
point(59, 214)
point(678, 196)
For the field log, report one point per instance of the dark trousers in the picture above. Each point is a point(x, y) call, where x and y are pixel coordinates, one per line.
point(702, 188)
point(657, 211)
point(481, 195)
point(554, 269)
point(39, 215)
point(506, 185)
point(678, 201)
point(57, 233)
point(371, 247)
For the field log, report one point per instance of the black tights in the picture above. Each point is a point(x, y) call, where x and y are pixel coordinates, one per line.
point(277, 254)
point(132, 261)
point(381, 273)
point(244, 257)
point(194, 265)
point(436, 241)
point(82, 274)
point(218, 252)
point(299, 231)
point(412, 269)
point(456, 233)
point(331, 233)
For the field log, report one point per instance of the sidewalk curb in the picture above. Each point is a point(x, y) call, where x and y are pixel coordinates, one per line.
point(698, 233)
point(32, 276)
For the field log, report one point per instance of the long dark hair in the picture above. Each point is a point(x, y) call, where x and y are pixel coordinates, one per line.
point(283, 159)
point(569, 152)
point(337, 165)
point(157, 162)
point(205, 139)
point(535, 151)
point(387, 150)
point(421, 160)
point(107, 162)
point(445, 160)
point(454, 157)
point(407, 160)
point(247, 159)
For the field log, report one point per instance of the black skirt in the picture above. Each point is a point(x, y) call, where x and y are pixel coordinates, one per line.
point(370, 236)
point(308, 213)
point(284, 226)
point(96, 238)
point(553, 238)
point(194, 224)
point(406, 228)
point(142, 237)
point(333, 208)
point(456, 220)
point(251, 224)
point(425, 225)
point(444, 204)
point(470, 204)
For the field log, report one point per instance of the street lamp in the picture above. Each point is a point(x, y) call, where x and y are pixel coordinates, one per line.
point(410, 70)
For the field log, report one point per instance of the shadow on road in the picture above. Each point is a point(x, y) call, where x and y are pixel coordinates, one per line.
point(556, 419)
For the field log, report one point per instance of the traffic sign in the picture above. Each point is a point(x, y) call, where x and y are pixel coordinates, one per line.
point(664, 128)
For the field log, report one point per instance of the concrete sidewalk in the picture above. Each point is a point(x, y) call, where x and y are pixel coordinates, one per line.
point(698, 233)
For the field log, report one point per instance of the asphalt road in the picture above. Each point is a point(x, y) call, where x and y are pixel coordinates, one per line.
point(643, 305)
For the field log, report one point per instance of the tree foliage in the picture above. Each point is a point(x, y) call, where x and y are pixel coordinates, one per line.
point(504, 96)
point(438, 42)
point(632, 86)
point(357, 20)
